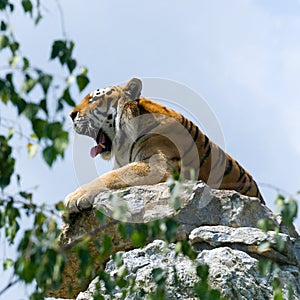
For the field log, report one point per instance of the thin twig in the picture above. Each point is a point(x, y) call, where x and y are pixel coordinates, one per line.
point(9, 285)
point(62, 19)
point(275, 188)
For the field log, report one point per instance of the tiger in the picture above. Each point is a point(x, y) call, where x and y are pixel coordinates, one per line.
point(148, 142)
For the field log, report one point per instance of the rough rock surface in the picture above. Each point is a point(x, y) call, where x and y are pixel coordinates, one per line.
point(233, 272)
point(221, 226)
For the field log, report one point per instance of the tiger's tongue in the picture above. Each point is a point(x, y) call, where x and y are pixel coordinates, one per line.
point(97, 149)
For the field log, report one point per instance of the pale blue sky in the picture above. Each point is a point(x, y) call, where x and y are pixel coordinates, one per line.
point(241, 56)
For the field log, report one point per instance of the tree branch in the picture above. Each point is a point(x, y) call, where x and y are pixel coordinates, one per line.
point(9, 285)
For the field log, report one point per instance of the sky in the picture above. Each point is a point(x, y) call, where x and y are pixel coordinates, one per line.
point(241, 56)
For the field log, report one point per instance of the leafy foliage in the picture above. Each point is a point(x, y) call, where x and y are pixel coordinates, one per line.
point(7, 162)
point(39, 259)
point(52, 137)
point(287, 209)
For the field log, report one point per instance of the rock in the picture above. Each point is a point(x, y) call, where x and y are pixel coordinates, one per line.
point(209, 218)
point(141, 262)
point(247, 239)
point(199, 206)
point(233, 272)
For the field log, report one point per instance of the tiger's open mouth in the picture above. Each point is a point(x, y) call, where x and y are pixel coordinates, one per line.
point(104, 144)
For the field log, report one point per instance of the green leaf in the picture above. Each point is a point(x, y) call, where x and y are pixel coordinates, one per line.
point(21, 104)
point(39, 127)
point(61, 142)
point(83, 70)
point(53, 130)
point(40, 218)
point(202, 271)
point(28, 84)
point(26, 270)
point(4, 41)
point(186, 249)
point(18, 178)
point(278, 295)
point(106, 244)
point(264, 266)
point(31, 110)
point(280, 243)
point(14, 60)
point(158, 274)
point(7, 163)
point(139, 238)
point(43, 105)
point(171, 230)
point(118, 259)
point(289, 212)
point(71, 63)
point(25, 64)
point(57, 49)
point(109, 285)
point(66, 96)
point(3, 4)
point(27, 6)
point(266, 225)
point(38, 18)
point(25, 195)
point(33, 136)
point(82, 82)
point(7, 263)
point(3, 26)
point(14, 46)
point(63, 51)
point(10, 133)
point(60, 206)
point(45, 82)
point(49, 155)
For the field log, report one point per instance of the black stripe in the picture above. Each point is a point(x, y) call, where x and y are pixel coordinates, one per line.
point(229, 167)
point(196, 134)
point(206, 155)
point(257, 191)
point(185, 122)
point(206, 140)
point(182, 119)
point(242, 172)
point(221, 164)
point(249, 187)
point(241, 185)
point(191, 126)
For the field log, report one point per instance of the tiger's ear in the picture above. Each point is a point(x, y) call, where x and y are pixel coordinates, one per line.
point(133, 88)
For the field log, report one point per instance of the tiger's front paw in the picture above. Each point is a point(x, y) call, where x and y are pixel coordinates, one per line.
point(79, 200)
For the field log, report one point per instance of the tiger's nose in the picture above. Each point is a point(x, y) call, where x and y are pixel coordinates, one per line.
point(73, 114)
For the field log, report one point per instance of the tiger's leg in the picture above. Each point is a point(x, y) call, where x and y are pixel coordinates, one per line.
point(153, 171)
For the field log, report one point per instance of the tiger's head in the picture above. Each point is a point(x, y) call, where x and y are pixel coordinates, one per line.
point(96, 115)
